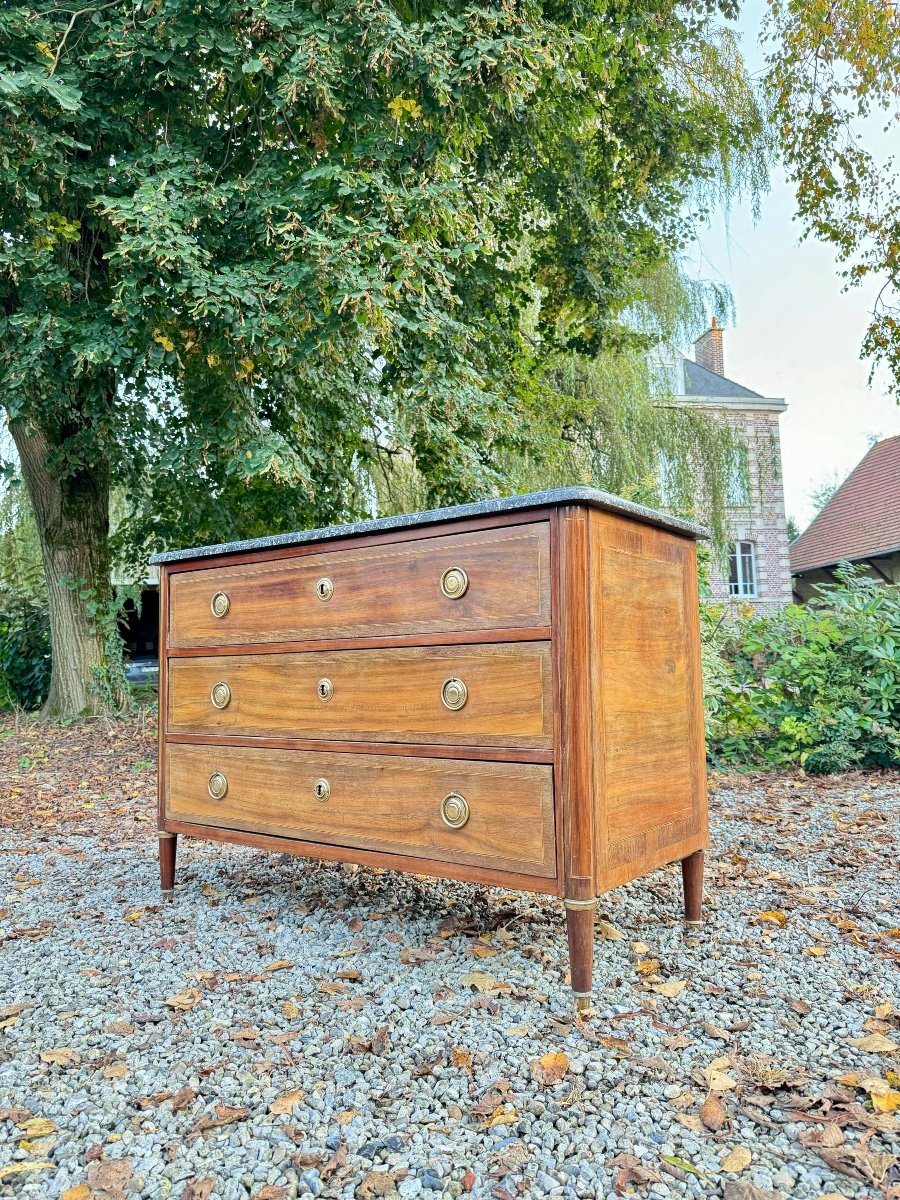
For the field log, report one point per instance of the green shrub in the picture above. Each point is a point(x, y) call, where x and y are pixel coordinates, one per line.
point(24, 656)
point(816, 686)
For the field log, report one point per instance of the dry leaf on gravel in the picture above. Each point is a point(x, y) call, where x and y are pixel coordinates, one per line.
point(461, 1058)
point(375, 1183)
point(550, 1068)
point(671, 989)
point(185, 1000)
point(827, 1136)
point(81, 1191)
point(198, 1189)
point(36, 1126)
point(225, 1115)
point(631, 1172)
point(773, 917)
point(740, 1189)
point(23, 1168)
point(873, 1043)
point(607, 931)
point(271, 1191)
point(109, 1178)
point(712, 1113)
point(283, 1104)
point(481, 981)
point(737, 1159)
point(183, 1098)
point(64, 1056)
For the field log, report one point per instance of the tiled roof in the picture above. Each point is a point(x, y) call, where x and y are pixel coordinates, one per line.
point(700, 381)
point(862, 518)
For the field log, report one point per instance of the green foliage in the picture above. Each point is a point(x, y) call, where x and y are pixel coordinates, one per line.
point(21, 569)
point(24, 655)
point(816, 686)
point(241, 241)
point(834, 79)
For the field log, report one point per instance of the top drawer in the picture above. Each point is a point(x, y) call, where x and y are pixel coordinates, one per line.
point(492, 579)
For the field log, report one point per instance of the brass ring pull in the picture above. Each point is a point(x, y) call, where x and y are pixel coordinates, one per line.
point(322, 790)
point(324, 690)
point(220, 604)
point(454, 693)
point(220, 695)
point(454, 582)
point(217, 785)
point(324, 589)
point(454, 810)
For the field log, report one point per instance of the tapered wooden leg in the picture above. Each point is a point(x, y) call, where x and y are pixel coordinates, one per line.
point(580, 930)
point(692, 877)
point(167, 844)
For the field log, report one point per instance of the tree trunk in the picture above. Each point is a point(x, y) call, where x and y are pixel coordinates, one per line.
point(72, 515)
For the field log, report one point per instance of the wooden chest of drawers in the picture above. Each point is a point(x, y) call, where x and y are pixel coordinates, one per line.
point(506, 693)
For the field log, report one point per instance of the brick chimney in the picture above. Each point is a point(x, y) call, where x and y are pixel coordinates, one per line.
point(708, 349)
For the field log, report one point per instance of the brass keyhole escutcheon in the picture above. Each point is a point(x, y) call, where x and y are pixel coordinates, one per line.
point(217, 786)
point(454, 582)
point(454, 693)
point(454, 810)
point(324, 690)
point(324, 589)
point(322, 790)
point(220, 695)
point(220, 604)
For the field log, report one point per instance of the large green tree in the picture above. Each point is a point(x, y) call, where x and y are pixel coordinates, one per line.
point(240, 241)
point(834, 75)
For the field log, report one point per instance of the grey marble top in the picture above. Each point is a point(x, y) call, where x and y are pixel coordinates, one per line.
point(557, 496)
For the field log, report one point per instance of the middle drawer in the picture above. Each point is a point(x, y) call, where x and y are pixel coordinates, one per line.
point(475, 695)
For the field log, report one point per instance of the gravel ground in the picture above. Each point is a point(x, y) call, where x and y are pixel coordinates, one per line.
point(289, 1029)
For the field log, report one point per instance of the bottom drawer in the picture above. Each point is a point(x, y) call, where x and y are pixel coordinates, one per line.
point(485, 814)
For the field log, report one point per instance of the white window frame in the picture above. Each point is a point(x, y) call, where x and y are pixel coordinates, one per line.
point(742, 562)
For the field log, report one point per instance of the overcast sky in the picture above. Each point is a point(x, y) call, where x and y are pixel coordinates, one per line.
point(796, 334)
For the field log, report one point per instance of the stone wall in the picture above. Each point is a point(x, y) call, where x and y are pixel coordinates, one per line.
point(763, 520)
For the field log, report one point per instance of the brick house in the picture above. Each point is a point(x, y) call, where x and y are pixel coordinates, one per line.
point(859, 524)
point(758, 567)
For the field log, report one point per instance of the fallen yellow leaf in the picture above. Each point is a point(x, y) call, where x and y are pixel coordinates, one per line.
point(63, 1056)
point(280, 964)
point(737, 1159)
point(42, 1146)
point(607, 931)
point(81, 1191)
point(874, 1043)
point(550, 1067)
point(773, 917)
point(670, 990)
point(290, 1010)
point(37, 1126)
point(283, 1104)
point(816, 951)
point(186, 999)
point(482, 982)
point(19, 1168)
point(505, 1115)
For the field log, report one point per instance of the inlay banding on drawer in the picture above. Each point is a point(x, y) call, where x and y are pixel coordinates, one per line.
point(472, 695)
point(376, 802)
point(493, 579)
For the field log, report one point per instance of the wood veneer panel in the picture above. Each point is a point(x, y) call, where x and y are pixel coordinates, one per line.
point(378, 590)
point(369, 858)
point(574, 703)
point(404, 749)
point(649, 761)
point(379, 695)
point(377, 802)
